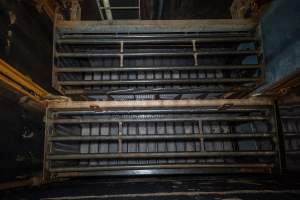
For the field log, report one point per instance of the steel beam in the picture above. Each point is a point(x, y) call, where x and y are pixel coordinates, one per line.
point(154, 68)
point(158, 155)
point(21, 84)
point(154, 26)
point(158, 137)
point(178, 166)
point(159, 54)
point(161, 103)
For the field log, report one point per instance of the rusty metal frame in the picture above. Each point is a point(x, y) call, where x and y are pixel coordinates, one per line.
point(21, 84)
point(55, 107)
point(48, 6)
point(159, 103)
point(284, 86)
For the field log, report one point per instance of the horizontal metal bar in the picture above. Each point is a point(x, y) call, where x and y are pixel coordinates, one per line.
point(120, 8)
point(121, 111)
point(160, 137)
point(149, 91)
point(296, 117)
point(161, 82)
point(156, 41)
point(161, 166)
point(146, 54)
point(114, 120)
point(156, 36)
point(293, 152)
point(160, 172)
point(219, 103)
point(154, 68)
point(156, 26)
point(285, 134)
point(158, 155)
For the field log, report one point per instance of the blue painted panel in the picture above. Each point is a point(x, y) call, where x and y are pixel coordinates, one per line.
point(281, 40)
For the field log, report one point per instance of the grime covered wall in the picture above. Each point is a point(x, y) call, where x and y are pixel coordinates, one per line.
point(25, 44)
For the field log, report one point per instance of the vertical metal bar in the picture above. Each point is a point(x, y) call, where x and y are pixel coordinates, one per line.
point(279, 138)
point(200, 124)
point(100, 10)
point(195, 59)
point(94, 147)
point(195, 53)
point(46, 148)
point(54, 75)
point(120, 134)
point(121, 55)
point(140, 10)
point(260, 57)
point(121, 60)
point(160, 9)
point(108, 11)
point(194, 45)
point(121, 46)
point(85, 148)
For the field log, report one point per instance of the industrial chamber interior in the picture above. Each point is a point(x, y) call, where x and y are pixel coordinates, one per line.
point(149, 99)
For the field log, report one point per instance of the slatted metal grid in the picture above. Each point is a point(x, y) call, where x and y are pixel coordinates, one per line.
point(111, 138)
point(166, 60)
point(290, 120)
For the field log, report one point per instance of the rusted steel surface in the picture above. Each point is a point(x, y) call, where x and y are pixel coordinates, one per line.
point(221, 103)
